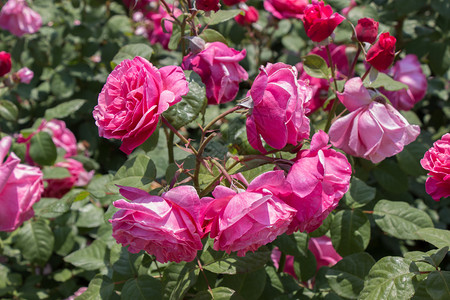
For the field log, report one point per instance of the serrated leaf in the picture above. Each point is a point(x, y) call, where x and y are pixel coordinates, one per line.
point(316, 66)
point(211, 35)
point(437, 237)
point(138, 171)
point(350, 232)
point(178, 279)
point(42, 149)
point(93, 257)
point(234, 264)
point(346, 278)
point(222, 16)
point(438, 285)
point(390, 278)
point(130, 51)
point(8, 110)
point(100, 287)
point(400, 219)
point(64, 109)
point(386, 82)
point(35, 241)
point(359, 193)
point(143, 287)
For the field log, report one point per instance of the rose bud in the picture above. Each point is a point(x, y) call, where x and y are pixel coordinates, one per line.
point(5, 63)
point(367, 30)
point(250, 16)
point(381, 54)
point(25, 75)
point(232, 2)
point(320, 21)
point(207, 5)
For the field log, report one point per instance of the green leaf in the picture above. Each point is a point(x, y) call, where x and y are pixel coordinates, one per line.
point(42, 149)
point(222, 16)
point(391, 177)
point(92, 257)
point(399, 219)
point(438, 285)
point(175, 38)
point(138, 171)
point(234, 264)
point(305, 266)
point(316, 66)
point(386, 82)
point(142, 288)
point(100, 287)
point(248, 285)
point(437, 237)
point(127, 263)
point(218, 293)
point(55, 173)
point(190, 106)
point(62, 85)
point(8, 110)
point(130, 51)
point(35, 240)
point(63, 110)
point(295, 244)
point(90, 216)
point(350, 232)
point(409, 158)
point(359, 193)
point(178, 278)
point(346, 278)
point(436, 258)
point(211, 35)
point(390, 278)
point(51, 207)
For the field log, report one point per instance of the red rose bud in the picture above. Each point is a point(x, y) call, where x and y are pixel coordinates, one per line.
point(5, 63)
point(367, 30)
point(381, 54)
point(232, 2)
point(250, 16)
point(207, 5)
point(320, 21)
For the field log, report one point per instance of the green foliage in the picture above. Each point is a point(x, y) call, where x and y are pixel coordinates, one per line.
point(42, 149)
point(316, 66)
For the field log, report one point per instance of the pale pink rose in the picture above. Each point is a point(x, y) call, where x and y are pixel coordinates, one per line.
point(284, 9)
point(57, 188)
point(319, 178)
point(278, 114)
point(288, 264)
point(409, 72)
point(134, 96)
point(167, 227)
point(78, 293)
point(25, 75)
point(373, 129)
point(19, 19)
point(245, 221)
point(323, 250)
point(437, 161)
point(218, 66)
point(20, 187)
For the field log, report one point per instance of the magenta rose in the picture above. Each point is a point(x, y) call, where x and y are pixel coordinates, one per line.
point(278, 114)
point(320, 21)
point(5, 63)
point(325, 254)
point(207, 5)
point(167, 227)
point(57, 188)
point(134, 96)
point(373, 129)
point(381, 55)
point(249, 17)
point(20, 187)
point(24, 75)
point(232, 2)
point(437, 161)
point(409, 72)
point(245, 221)
point(366, 30)
point(19, 19)
point(285, 9)
point(319, 178)
point(219, 69)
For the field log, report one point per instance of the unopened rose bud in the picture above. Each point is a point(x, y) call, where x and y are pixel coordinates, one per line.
point(249, 17)
point(25, 75)
point(367, 30)
point(381, 54)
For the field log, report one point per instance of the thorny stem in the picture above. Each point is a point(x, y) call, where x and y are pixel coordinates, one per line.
point(178, 134)
point(222, 115)
point(210, 186)
point(336, 101)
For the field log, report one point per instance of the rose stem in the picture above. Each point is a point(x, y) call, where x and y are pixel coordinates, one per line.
point(336, 101)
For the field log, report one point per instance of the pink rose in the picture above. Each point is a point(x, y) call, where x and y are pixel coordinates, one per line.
point(408, 71)
point(20, 187)
point(381, 55)
point(323, 250)
point(284, 9)
point(167, 226)
point(320, 21)
point(78, 293)
point(373, 129)
point(19, 19)
point(25, 75)
point(5, 63)
point(134, 96)
point(218, 66)
point(278, 114)
point(319, 178)
point(437, 161)
point(57, 188)
point(249, 17)
point(245, 221)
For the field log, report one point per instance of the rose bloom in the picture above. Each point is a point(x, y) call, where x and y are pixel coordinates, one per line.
point(437, 161)
point(409, 72)
point(319, 178)
point(232, 2)
point(367, 30)
point(218, 66)
point(207, 5)
point(167, 227)
point(373, 129)
point(25, 75)
point(245, 221)
point(323, 251)
point(249, 17)
point(134, 96)
point(5, 63)
point(20, 187)
point(278, 114)
point(320, 21)
point(381, 55)
point(19, 19)
point(285, 9)
point(57, 188)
